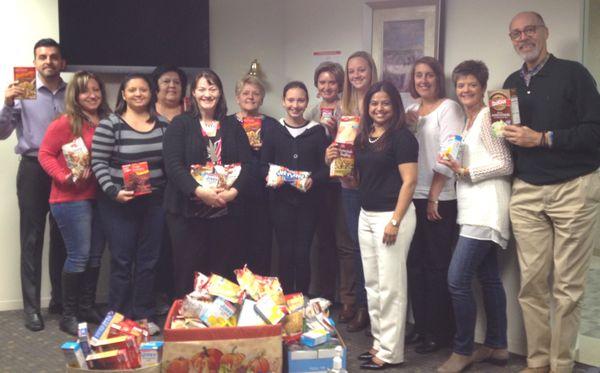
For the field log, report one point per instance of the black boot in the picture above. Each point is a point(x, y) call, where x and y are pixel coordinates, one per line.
point(87, 299)
point(70, 293)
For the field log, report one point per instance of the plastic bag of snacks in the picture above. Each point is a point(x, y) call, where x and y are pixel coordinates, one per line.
point(279, 175)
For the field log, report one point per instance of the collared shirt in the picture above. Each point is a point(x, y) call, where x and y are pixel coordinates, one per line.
point(528, 74)
point(30, 118)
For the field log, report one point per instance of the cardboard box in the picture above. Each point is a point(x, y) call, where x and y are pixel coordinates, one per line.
point(231, 348)
point(301, 359)
point(149, 369)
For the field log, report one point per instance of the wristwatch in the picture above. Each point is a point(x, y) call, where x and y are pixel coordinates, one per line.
point(395, 223)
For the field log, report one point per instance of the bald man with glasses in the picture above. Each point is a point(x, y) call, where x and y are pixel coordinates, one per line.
point(556, 191)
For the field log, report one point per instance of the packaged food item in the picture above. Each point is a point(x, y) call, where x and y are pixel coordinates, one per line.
point(327, 113)
point(83, 338)
point(248, 282)
point(248, 315)
point(504, 106)
point(129, 328)
point(271, 312)
point(25, 78)
point(228, 173)
point(221, 287)
point(450, 148)
point(77, 156)
point(136, 177)
point(73, 355)
point(278, 175)
point(205, 175)
point(294, 302)
point(124, 343)
point(272, 287)
point(219, 313)
point(293, 323)
point(151, 353)
point(192, 307)
point(498, 128)
point(347, 131)
point(114, 359)
point(315, 337)
point(252, 126)
point(103, 330)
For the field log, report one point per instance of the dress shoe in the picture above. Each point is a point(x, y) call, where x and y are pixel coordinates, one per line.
point(347, 314)
point(493, 356)
point(34, 322)
point(536, 370)
point(427, 347)
point(413, 338)
point(365, 356)
point(371, 365)
point(456, 363)
point(360, 321)
point(55, 308)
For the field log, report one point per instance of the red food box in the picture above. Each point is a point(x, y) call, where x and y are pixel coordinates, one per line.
point(233, 349)
point(252, 126)
point(25, 78)
point(136, 177)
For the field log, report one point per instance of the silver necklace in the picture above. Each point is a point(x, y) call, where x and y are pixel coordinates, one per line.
point(374, 141)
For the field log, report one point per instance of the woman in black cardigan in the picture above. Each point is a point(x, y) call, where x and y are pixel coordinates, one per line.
point(204, 223)
point(299, 145)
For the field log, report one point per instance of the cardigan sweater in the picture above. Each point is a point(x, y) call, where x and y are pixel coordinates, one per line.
point(305, 152)
point(483, 200)
point(184, 146)
point(54, 163)
point(562, 97)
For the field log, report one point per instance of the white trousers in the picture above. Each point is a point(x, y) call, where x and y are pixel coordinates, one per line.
point(385, 280)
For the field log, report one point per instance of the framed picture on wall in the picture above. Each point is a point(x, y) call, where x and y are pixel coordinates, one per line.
point(403, 34)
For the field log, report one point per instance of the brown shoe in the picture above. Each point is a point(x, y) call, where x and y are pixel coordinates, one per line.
point(360, 321)
point(347, 314)
point(494, 356)
point(536, 370)
point(455, 364)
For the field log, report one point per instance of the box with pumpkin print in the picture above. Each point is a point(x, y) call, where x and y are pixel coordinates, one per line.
point(247, 349)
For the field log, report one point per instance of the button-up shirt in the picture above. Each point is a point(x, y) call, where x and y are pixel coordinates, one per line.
point(30, 118)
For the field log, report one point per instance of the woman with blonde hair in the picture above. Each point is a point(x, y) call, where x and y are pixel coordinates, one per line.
point(361, 74)
point(73, 197)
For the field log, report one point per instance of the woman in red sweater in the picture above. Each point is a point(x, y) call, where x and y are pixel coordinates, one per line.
point(73, 194)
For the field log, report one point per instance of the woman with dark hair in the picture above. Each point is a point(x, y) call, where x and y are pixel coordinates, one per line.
point(249, 94)
point(361, 73)
point(386, 162)
point(204, 222)
point(299, 145)
point(483, 191)
point(132, 136)
point(170, 83)
point(73, 197)
point(433, 119)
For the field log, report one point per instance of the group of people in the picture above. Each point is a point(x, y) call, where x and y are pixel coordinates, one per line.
point(407, 224)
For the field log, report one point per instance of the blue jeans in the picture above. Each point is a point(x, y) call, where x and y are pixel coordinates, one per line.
point(81, 229)
point(134, 230)
point(472, 257)
point(351, 203)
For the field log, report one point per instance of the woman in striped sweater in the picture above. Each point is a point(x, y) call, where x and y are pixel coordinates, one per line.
point(133, 221)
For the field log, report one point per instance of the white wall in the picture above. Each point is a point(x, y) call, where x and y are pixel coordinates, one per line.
point(283, 35)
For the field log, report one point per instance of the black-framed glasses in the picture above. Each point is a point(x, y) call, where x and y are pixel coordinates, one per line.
point(527, 30)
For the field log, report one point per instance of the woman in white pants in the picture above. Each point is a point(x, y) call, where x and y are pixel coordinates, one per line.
point(386, 161)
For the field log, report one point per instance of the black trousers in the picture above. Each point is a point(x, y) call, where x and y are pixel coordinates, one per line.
point(204, 245)
point(33, 191)
point(427, 267)
point(259, 233)
point(294, 226)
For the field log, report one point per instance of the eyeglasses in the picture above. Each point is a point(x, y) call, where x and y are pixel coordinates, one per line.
point(167, 82)
point(527, 30)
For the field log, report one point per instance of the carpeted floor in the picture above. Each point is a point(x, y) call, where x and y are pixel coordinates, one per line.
point(22, 351)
